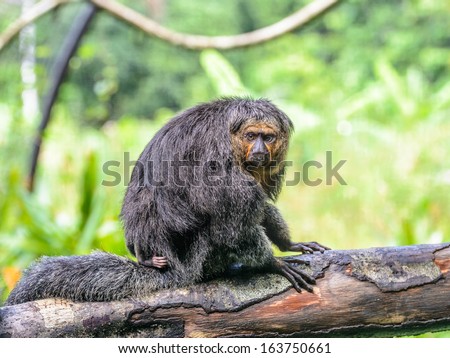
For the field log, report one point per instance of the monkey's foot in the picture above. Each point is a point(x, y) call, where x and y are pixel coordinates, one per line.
point(307, 247)
point(159, 262)
point(299, 279)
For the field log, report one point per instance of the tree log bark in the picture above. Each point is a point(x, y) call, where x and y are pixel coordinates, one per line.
point(383, 292)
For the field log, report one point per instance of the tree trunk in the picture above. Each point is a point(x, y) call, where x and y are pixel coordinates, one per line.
point(27, 44)
point(359, 293)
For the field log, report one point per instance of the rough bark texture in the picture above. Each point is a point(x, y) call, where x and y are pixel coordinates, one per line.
point(362, 293)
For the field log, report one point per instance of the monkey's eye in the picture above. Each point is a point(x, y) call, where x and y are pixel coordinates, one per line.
point(250, 136)
point(268, 138)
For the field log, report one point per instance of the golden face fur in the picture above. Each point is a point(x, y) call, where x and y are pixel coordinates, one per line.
point(260, 149)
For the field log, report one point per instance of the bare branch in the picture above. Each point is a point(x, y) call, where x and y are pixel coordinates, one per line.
point(297, 19)
point(41, 8)
point(71, 42)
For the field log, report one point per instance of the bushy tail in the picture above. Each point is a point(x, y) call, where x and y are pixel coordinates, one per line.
point(96, 277)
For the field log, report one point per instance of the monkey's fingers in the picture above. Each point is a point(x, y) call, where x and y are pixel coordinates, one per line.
point(299, 279)
point(308, 278)
point(308, 247)
point(159, 261)
point(295, 260)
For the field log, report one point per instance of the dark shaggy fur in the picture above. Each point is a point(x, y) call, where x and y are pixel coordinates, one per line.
point(191, 201)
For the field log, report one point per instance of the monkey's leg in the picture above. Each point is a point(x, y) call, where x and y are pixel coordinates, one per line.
point(278, 232)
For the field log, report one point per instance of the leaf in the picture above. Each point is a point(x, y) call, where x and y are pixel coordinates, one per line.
point(396, 86)
point(47, 235)
point(222, 74)
point(89, 186)
point(92, 205)
point(93, 222)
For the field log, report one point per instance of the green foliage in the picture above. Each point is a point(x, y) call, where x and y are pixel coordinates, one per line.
point(222, 75)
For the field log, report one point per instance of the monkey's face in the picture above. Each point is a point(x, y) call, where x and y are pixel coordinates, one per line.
point(259, 145)
point(258, 141)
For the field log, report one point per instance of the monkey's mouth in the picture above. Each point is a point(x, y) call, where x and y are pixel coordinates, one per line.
point(257, 161)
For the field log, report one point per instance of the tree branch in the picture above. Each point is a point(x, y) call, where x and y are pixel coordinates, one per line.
point(122, 12)
point(297, 19)
point(370, 292)
point(71, 42)
point(38, 10)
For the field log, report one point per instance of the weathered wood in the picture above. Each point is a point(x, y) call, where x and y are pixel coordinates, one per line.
point(370, 292)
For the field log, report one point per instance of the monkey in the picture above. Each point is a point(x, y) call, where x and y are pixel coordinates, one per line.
point(200, 199)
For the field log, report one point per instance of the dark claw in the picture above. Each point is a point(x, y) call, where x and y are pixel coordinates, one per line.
point(307, 247)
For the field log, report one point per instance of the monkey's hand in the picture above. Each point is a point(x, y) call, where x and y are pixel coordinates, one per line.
point(307, 247)
point(158, 262)
point(299, 279)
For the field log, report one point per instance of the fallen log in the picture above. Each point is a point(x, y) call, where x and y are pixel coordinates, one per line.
point(376, 292)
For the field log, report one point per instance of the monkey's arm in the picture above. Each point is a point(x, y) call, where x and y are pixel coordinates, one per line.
point(278, 232)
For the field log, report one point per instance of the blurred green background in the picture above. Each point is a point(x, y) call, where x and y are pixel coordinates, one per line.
point(369, 81)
